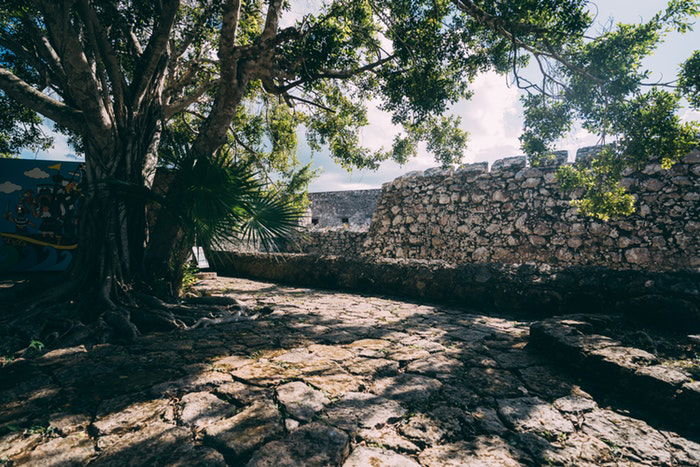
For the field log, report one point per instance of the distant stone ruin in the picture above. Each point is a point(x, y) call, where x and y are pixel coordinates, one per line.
point(349, 210)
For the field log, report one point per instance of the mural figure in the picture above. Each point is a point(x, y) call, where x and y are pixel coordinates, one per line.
point(20, 219)
point(38, 230)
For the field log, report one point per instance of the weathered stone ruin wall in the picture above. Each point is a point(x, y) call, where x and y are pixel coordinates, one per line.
point(341, 209)
point(330, 242)
point(518, 214)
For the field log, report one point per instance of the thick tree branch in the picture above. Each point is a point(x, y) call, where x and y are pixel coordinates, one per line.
point(25, 94)
point(156, 48)
point(29, 56)
point(135, 43)
point(231, 87)
point(107, 55)
point(44, 49)
point(185, 101)
point(274, 11)
point(82, 83)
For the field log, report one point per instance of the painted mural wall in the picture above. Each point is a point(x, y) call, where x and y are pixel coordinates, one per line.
point(39, 203)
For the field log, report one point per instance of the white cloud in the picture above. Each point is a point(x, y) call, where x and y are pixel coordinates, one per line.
point(493, 117)
point(690, 115)
point(36, 172)
point(9, 187)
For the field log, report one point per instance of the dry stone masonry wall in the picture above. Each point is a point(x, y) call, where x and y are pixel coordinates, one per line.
point(350, 209)
point(330, 242)
point(517, 214)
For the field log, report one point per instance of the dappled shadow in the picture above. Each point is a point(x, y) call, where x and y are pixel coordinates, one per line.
point(464, 382)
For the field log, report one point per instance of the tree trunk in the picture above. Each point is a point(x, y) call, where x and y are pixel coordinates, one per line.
point(169, 245)
point(168, 250)
point(108, 265)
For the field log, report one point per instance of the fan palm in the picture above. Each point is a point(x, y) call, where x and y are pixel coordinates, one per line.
point(215, 201)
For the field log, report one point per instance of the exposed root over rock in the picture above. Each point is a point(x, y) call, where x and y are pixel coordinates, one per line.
point(35, 313)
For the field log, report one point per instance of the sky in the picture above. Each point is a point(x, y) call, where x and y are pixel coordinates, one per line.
point(493, 116)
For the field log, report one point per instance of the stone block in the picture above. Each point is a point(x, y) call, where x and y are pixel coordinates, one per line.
point(474, 168)
point(439, 172)
point(514, 163)
point(555, 159)
point(586, 154)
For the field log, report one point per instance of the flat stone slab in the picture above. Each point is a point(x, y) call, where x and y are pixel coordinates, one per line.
point(375, 457)
point(245, 431)
point(363, 410)
point(74, 449)
point(631, 372)
point(406, 387)
point(301, 401)
point(312, 445)
point(156, 442)
point(119, 415)
point(201, 409)
point(482, 451)
point(533, 414)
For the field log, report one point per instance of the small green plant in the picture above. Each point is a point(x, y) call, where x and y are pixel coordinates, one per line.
point(47, 431)
point(554, 436)
point(189, 276)
point(36, 345)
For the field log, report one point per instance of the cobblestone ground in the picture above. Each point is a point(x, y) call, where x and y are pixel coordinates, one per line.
point(327, 379)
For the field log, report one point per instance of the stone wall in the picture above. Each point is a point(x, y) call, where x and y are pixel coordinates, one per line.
point(517, 214)
point(336, 209)
point(330, 242)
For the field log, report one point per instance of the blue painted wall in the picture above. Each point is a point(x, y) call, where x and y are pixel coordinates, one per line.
point(39, 203)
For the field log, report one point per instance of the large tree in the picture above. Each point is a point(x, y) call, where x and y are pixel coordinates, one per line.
point(240, 76)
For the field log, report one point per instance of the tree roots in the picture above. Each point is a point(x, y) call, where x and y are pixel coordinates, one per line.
point(55, 321)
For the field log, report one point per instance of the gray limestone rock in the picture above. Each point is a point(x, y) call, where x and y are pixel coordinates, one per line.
point(312, 445)
point(364, 410)
point(200, 409)
point(365, 457)
point(513, 163)
point(406, 387)
point(533, 414)
point(246, 430)
point(301, 401)
point(481, 451)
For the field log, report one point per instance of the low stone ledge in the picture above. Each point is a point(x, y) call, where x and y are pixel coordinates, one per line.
point(537, 290)
point(575, 341)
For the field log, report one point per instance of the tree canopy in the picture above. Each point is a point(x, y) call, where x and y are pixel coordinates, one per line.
point(233, 76)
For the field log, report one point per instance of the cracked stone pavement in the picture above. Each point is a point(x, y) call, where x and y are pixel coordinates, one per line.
point(327, 379)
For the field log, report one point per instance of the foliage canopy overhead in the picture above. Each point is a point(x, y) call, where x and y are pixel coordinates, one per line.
point(243, 75)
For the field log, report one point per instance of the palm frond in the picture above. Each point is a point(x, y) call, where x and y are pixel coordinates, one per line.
point(219, 201)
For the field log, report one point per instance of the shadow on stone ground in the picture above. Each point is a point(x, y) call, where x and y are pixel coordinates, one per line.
point(327, 379)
